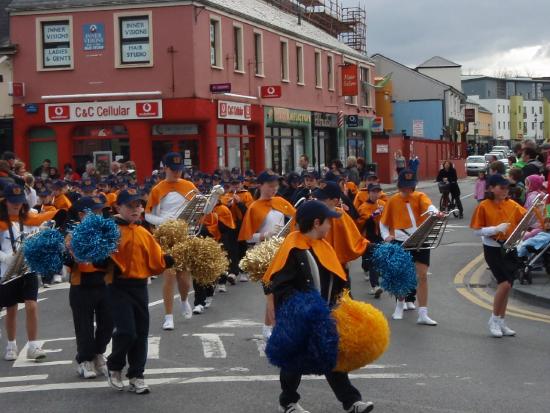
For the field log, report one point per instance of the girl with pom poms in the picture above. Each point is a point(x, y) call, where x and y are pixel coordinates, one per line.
point(305, 261)
point(16, 219)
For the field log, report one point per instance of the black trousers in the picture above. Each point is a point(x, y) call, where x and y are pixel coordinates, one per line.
point(374, 275)
point(87, 304)
point(231, 246)
point(129, 304)
point(338, 382)
point(202, 292)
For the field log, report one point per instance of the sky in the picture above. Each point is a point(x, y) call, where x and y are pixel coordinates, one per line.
point(487, 37)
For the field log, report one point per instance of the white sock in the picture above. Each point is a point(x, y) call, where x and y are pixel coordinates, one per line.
point(400, 304)
point(12, 345)
point(423, 310)
point(33, 344)
point(169, 317)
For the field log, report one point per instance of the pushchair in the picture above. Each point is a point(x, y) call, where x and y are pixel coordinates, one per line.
point(530, 258)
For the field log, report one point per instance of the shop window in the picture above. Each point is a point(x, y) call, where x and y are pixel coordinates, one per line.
point(318, 70)
point(99, 131)
point(284, 60)
point(235, 148)
point(330, 72)
point(233, 153)
point(258, 54)
point(216, 43)
point(83, 149)
point(54, 45)
point(238, 48)
point(134, 39)
point(268, 154)
point(300, 64)
point(284, 146)
point(221, 152)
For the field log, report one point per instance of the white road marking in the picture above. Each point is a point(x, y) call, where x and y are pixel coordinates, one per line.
point(22, 360)
point(234, 324)
point(20, 307)
point(260, 343)
point(176, 370)
point(54, 287)
point(153, 347)
point(212, 345)
point(23, 378)
point(467, 196)
point(157, 302)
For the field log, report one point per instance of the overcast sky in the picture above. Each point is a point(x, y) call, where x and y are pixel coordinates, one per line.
point(484, 36)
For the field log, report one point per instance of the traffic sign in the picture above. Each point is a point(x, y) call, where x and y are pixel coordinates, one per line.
point(267, 92)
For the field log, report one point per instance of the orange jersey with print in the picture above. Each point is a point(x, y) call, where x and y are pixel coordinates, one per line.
point(257, 212)
point(363, 195)
point(366, 210)
point(396, 216)
point(223, 215)
point(62, 202)
point(245, 197)
point(160, 190)
point(351, 187)
point(490, 214)
point(111, 199)
point(345, 238)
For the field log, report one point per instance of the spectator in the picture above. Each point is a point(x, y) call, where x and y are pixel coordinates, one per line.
point(532, 165)
point(414, 164)
point(69, 174)
point(481, 186)
point(496, 167)
point(516, 188)
point(10, 157)
point(19, 168)
point(400, 161)
point(54, 173)
point(44, 170)
point(91, 173)
point(30, 192)
point(336, 167)
point(5, 177)
point(352, 171)
point(362, 168)
point(303, 165)
point(115, 169)
point(128, 168)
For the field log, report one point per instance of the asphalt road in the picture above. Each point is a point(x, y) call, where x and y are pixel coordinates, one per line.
point(210, 363)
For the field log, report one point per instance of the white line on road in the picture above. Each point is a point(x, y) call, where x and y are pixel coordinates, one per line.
point(23, 378)
point(153, 347)
point(212, 345)
point(157, 302)
point(234, 324)
point(175, 370)
point(467, 196)
point(260, 343)
point(22, 360)
point(55, 287)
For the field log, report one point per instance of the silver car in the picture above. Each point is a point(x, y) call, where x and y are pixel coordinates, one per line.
point(475, 164)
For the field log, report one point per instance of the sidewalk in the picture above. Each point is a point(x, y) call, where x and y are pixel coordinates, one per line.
point(537, 293)
point(421, 185)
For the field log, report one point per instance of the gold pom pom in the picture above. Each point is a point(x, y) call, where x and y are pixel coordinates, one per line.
point(364, 334)
point(203, 258)
point(257, 259)
point(171, 233)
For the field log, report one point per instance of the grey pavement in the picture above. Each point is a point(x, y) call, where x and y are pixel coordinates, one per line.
point(214, 362)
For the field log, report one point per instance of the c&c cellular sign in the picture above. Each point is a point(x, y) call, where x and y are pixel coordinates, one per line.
point(93, 111)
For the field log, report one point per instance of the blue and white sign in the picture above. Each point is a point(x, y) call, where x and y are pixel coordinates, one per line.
point(352, 121)
point(93, 36)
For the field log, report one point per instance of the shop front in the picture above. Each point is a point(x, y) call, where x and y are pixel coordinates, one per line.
point(325, 139)
point(287, 137)
point(358, 137)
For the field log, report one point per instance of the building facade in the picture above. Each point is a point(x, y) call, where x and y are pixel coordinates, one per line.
point(7, 51)
point(230, 85)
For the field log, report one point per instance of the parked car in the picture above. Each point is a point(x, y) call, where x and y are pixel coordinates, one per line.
point(500, 157)
point(475, 164)
point(500, 148)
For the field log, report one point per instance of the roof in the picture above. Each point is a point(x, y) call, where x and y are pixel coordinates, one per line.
point(483, 109)
point(4, 23)
point(437, 62)
point(256, 11)
point(467, 78)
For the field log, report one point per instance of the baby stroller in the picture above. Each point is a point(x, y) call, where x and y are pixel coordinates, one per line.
point(530, 258)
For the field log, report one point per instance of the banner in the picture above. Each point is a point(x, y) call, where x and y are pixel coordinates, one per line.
point(350, 83)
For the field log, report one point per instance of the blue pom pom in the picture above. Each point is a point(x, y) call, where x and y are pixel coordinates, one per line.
point(95, 238)
point(43, 252)
point(304, 339)
point(397, 268)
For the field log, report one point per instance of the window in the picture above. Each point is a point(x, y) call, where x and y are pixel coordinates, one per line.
point(498, 108)
point(300, 64)
point(133, 40)
point(55, 45)
point(350, 100)
point(524, 109)
point(540, 110)
point(532, 110)
point(330, 72)
point(215, 43)
point(238, 64)
point(318, 70)
point(508, 125)
point(524, 127)
point(533, 125)
point(498, 124)
point(365, 88)
point(508, 108)
point(284, 60)
point(258, 54)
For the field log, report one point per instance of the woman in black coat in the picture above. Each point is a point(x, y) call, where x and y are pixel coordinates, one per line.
point(448, 174)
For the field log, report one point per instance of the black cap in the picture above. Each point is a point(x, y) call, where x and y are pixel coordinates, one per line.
point(311, 174)
point(8, 156)
point(14, 194)
point(60, 184)
point(127, 196)
point(293, 177)
point(497, 180)
point(374, 187)
point(331, 190)
point(407, 179)
point(314, 210)
point(267, 176)
point(88, 202)
point(331, 176)
point(44, 192)
point(372, 175)
point(174, 161)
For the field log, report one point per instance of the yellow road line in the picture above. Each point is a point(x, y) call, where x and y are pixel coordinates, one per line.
point(459, 277)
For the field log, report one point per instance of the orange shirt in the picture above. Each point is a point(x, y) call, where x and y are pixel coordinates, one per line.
point(159, 191)
point(48, 208)
point(366, 210)
point(490, 213)
point(363, 195)
point(345, 238)
point(33, 219)
point(396, 216)
point(223, 215)
point(257, 212)
point(245, 197)
point(62, 202)
point(111, 199)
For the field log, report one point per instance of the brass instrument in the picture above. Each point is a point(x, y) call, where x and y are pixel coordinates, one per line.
point(429, 234)
point(285, 229)
point(193, 211)
point(517, 235)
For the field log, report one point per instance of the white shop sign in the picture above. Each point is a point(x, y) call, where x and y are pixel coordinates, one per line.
point(103, 111)
point(57, 33)
point(382, 148)
point(418, 128)
point(58, 56)
point(135, 29)
point(136, 52)
point(234, 110)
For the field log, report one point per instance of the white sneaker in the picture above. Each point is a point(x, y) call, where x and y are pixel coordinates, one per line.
point(398, 313)
point(168, 324)
point(222, 288)
point(231, 278)
point(208, 302)
point(186, 310)
point(243, 277)
point(361, 407)
point(138, 386)
point(494, 327)
point(35, 353)
point(115, 380)
point(293, 408)
point(11, 354)
point(86, 370)
point(423, 318)
point(506, 331)
point(57, 279)
point(409, 306)
point(100, 365)
point(372, 291)
point(266, 332)
point(199, 309)
point(367, 277)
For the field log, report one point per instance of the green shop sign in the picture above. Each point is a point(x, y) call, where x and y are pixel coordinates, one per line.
point(288, 116)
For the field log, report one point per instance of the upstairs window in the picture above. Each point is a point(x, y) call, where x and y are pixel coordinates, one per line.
point(284, 60)
point(134, 40)
point(258, 54)
point(215, 43)
point(300, 64)
point(55, 48)
point(318, 70)
point(365, 88)
point(238, 48)
point(330, 72)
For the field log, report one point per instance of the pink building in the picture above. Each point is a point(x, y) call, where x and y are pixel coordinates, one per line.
point(145, 77)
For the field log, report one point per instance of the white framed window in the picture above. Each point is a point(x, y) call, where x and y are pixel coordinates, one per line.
point(284, 61)
point(330, 72)
point(238, 47)
point(258, 53)
point(300, 64)
point(215, 36)
point(133, 39)
point(318, 70)
point(54, 43)
point(364, 76)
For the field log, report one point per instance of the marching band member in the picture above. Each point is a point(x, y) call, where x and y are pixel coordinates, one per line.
point(90, 304)
point(403, 213)
point(494, 220)
point(45, 198)
point(311, 183)
point(60, 200)
point(165, 201)
point(290, 271)
point(137, 258)
point(263, 220)
point(363, 193)
point(15, 218)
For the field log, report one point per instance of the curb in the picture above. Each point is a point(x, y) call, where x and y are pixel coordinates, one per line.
point(421, 184)
point(529, 294)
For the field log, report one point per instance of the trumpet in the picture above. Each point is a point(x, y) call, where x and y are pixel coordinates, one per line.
point(517, 235)
point(285, 229)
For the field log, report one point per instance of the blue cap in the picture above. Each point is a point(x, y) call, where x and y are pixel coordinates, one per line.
point(497, 180)
point(267, 176)
point(374, 187)
point(174, 161)
point(311, 174)
point(14, 194)
point(44, 192)
point(315, 210)
point(88, 202)
point(331, 190)
point(60, 184)
point(293, 177)
point(406, 179)
point(127, 196)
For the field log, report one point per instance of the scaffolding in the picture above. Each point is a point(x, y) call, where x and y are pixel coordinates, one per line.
point(348, 24)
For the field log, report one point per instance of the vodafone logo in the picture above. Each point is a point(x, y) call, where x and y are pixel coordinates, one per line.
point(59, 112)
point(223, 110)
point(270, 92)
point(147, 109)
